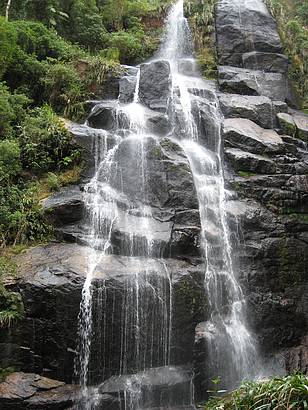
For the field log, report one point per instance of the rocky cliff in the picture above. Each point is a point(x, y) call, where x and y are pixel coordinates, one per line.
point(267, 166)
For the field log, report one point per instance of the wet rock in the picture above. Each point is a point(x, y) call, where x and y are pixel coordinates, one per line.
point(159, 124)
point(21, 391)
point(156, 387)
point(51, 281)
point(301, 122)
point(188, 66)
point(103, 116)
point(268, 62)
point(246, 161)
point(255, 108)
point(155, 85)
point(208, 126)
point(245, 134)
point(110, 88)
point(287, 124)
point(65, 207)
point(167, 174)
point(243, 27)
point(127, 88)
point(252, 82)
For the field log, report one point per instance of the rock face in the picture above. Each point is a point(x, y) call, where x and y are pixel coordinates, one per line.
point(244, 26)
point(155, 85)
point(268, 171)
point(51, 280)
point(21, 391)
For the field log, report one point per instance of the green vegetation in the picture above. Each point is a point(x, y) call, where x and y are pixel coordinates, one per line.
point(201, 19)
point(54, 55)
point(292, 17)
point(290, 392)
point(5, 372)
point(11, 305)
point(246, 174)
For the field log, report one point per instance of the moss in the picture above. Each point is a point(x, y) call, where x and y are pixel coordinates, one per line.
point(192, 296)
point(299, 217)
point(4, 372)
point(11, 305)
point(246, 174)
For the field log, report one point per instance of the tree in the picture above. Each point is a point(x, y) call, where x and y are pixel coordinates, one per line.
point(7, 10)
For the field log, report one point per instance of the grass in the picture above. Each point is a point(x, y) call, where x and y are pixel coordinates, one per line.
point(280, 393)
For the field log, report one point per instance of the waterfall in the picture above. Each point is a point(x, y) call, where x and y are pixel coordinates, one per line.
point(232, 351)
point(121, 220)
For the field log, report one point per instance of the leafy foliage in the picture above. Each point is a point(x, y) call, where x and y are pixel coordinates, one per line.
point(290, 392)
point(201, 18)
point(292, 17)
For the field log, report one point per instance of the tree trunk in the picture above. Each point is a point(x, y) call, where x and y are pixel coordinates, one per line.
point(8, 5)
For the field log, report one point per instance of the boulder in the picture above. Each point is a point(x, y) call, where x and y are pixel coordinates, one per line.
point(287, 124)
point(21, 391)
point(248, 162)
point(252, 82)
point(103, 116)
point(255, 108)
point(155, 85)
point(127, 88)
point(155, 388)
point(244, 26)
point(301, 122)
point(51, 282)
point(65, 207)
point(268, 62)
point(245, 134)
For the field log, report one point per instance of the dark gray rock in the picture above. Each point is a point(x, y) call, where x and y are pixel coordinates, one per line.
point(268, 62)
point(188, 66)
point(127, 88)
point(51, 281)
point(158, 123)
point(301, 122)
point(155, 85)
point(243, 27)
point(252, 82)
point(65, 207)
point(103, 116)
point(245, 134)
point(157, 387)
point(21, 391)
point(255, 108)
point(248, 162)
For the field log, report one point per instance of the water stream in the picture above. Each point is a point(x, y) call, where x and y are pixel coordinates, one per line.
point(145, 331)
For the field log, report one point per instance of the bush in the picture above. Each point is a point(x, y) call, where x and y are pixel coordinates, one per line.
point(129, 45)
point(45, 143)
point(63, 86)
point(10, 164)
point(290, 392)
point(7, 45)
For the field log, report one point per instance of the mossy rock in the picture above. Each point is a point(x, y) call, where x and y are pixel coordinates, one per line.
point(287, 124)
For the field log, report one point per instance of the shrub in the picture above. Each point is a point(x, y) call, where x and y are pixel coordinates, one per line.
point(290, 392)
point(10, 164)
point(63, 86)
point(45, 143)
point(7, 45)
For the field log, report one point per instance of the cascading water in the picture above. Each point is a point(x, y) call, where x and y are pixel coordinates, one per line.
point(120, 220)
point(232, 352)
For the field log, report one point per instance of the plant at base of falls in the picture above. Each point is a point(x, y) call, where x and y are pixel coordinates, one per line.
point(11, 305)
point(286, 393)
point(201, 19)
